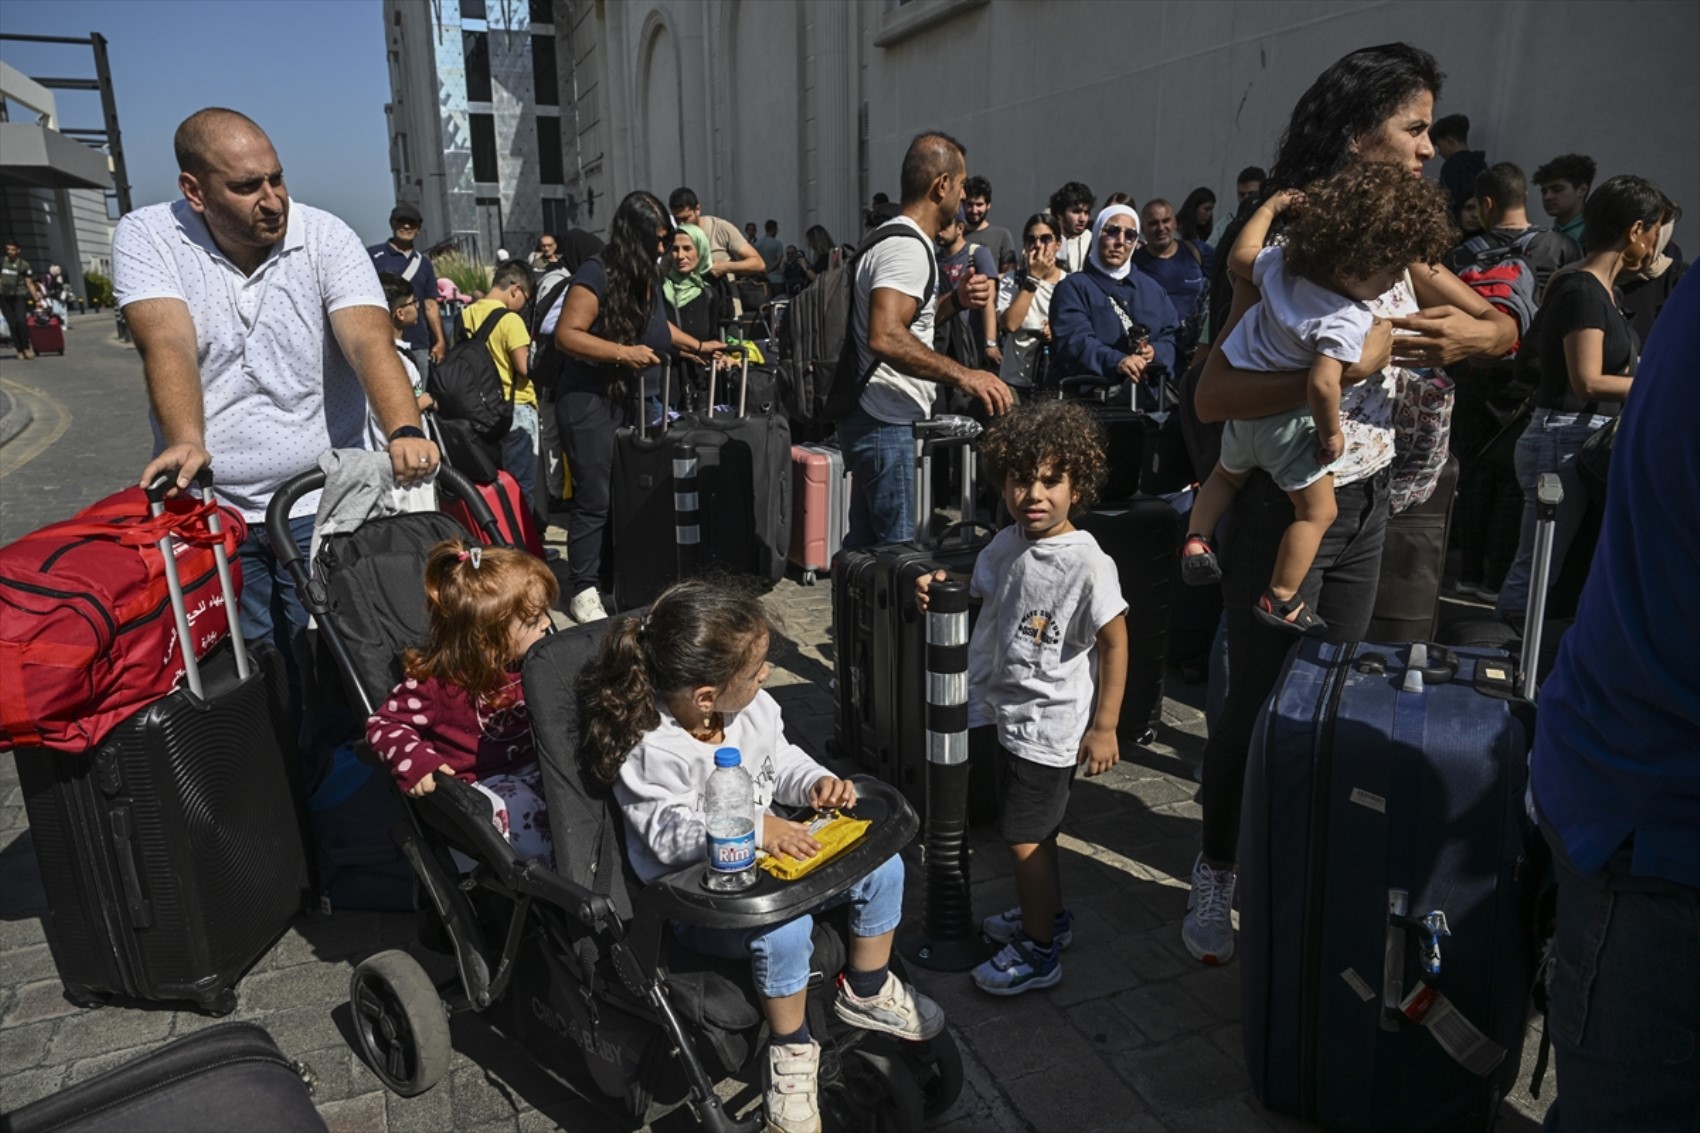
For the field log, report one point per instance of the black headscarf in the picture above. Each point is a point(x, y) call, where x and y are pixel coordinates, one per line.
point(577, 247)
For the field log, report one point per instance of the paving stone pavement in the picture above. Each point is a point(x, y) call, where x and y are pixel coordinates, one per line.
point(1138, 1038)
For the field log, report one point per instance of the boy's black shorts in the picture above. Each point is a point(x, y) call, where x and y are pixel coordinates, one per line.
point(1032, 797)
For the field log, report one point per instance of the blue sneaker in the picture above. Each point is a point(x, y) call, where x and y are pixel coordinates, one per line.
point(1019, 966)
point(1003, 926)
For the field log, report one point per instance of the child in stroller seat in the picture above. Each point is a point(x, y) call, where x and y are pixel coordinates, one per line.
point(461, 708)
point(666, 691)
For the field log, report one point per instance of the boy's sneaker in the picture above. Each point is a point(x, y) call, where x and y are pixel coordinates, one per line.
point(793, 1073)
point(1003, 926)
point(1019, 966)
point(1208, 930)
point(586, 606)
point(897, 1010)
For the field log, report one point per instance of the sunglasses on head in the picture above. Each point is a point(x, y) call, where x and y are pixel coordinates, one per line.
point(1047, 238)
point(1117, 232)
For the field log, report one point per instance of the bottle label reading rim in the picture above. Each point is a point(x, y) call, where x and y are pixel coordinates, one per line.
point(732, 855)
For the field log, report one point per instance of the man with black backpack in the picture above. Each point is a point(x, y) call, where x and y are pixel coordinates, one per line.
point(1508, 264)
point(485, 380)
point(895, 303)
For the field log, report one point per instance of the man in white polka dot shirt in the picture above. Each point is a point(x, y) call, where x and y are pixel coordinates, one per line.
point(263, 334)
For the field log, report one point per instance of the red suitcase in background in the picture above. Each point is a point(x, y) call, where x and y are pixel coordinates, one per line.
point(823, 508)
point(512, 511)
point(47, 334)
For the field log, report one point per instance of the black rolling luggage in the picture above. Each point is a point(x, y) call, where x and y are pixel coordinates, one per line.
point(880, 634)
point(743, 477)
point(1147, 450)
point(229, 1077)
point(171, 854)
point(1143, 537)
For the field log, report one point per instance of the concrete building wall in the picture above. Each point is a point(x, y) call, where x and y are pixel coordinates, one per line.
point(1152, 97)
point(94, 231)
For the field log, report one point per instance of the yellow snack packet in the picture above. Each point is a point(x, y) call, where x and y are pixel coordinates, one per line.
point(834, 831)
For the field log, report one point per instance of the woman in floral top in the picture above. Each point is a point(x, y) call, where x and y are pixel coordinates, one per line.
point(1375, 104)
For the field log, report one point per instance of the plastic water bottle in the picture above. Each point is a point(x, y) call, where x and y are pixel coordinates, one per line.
point(730, 808)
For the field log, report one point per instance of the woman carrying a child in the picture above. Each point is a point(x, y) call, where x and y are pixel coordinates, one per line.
point(1374, 105)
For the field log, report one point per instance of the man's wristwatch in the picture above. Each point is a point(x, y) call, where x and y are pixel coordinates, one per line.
point(409, 431)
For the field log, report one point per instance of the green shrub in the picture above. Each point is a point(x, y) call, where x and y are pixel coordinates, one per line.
point(99, 289)
point(467, 274)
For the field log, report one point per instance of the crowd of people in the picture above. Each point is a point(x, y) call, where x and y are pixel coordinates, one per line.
point(1345, 327)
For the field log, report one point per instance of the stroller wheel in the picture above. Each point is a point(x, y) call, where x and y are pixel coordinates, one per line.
point(937, 1068)
point(876, 1092)
point(403, 1029)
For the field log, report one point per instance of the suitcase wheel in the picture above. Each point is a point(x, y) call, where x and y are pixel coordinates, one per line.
point(809, 577)
point(400, 1021)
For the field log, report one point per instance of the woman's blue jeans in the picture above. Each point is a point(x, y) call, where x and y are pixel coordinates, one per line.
point(1549, 444)
point(779, 956)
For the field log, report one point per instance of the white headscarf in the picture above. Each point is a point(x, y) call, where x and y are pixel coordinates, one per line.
point(1098, 227)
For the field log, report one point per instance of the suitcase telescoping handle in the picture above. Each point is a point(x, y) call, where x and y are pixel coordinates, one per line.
point(1549, 493)
point(179, 610)
point(936, 434)
point(743, 386)
point(666, 399)
point(1081, 385)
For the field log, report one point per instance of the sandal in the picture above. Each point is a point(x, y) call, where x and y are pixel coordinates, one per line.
point(1201, 569)
point(1293, 616)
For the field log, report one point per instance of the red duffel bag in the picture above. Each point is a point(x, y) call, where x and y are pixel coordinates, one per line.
point(87, 635)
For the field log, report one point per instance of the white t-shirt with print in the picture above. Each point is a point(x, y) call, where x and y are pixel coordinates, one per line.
point(1032, 668)
point(1021, 354)
point(902, 264)
point(276, 390)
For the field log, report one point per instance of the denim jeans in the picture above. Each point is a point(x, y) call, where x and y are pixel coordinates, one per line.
point(880, 459)
point(519, 451)
point(1549, 444)
point(779, 956)
point(1340, 588)
point(1624, 1007)
point(587, 421)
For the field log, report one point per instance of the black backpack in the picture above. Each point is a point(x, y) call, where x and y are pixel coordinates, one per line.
point(825, 384)
point(468, 387)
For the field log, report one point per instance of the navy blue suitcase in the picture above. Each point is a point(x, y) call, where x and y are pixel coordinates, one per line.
point(1382, 789)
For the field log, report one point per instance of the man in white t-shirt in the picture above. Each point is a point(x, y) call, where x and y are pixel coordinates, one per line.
point(896, 304)
point(263, 332)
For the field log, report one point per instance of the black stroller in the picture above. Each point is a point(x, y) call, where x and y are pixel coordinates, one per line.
point(579, 964)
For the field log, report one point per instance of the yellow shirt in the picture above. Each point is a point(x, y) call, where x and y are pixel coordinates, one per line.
point(508, 336)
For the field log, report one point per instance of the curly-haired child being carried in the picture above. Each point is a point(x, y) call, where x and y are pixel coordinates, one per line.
point(461, 708)
point(1350, 237)
point(665, 692)
point(1046, 669)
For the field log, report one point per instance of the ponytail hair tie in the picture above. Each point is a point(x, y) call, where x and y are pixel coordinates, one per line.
point(475, 554)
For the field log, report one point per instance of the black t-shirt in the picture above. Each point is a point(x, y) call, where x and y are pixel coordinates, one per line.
point(582, 375)
point(1576, 301)
point(1643, 299)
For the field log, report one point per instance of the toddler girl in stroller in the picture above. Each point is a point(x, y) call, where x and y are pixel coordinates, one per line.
point(665, 692)
point(461, 707)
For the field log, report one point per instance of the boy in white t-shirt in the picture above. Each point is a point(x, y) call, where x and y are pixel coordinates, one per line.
point(404, 313)
point(1352, 236)
point(1047, 665)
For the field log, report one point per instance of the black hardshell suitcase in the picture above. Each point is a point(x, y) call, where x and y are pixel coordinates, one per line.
point(640, 512)
point(880, 635)
point(1143, 537)
point(1146, 449)
point(171, 855)
point(228, 1077)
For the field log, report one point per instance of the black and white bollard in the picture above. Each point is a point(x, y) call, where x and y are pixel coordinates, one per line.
point(949, 939)
point(687, 525)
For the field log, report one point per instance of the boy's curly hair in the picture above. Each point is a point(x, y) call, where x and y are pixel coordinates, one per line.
point(1369, 218)
point(1059, 432)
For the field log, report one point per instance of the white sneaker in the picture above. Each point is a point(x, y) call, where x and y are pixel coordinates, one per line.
point(586, 606)
point(793, 1073)
point(1208, 930)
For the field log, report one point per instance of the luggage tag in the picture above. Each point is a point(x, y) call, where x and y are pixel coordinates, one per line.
point(1456, 1035)
point(835, 831)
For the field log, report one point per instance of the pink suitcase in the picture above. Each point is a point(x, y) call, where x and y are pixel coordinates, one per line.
point(821, 496)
